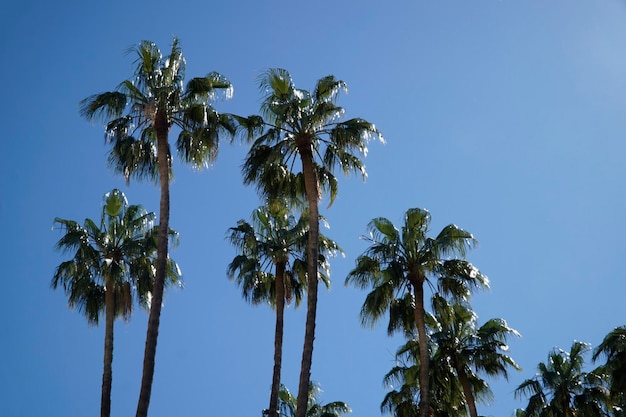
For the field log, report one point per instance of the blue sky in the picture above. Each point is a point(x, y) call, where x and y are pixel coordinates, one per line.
point(506, 118)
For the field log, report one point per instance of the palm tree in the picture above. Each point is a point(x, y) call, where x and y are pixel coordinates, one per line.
point(139, 115)
point(470, 349)
point(445, 393)
point(562, 388)
point(298, 124)
point(288, 404)
point(399, 261)
point(458, 350)
point(275, 240)
point(111, 263)
point(613, 347)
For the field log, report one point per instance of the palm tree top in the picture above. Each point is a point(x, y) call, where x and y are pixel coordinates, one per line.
point(293, 121)
point(412, 239)
point(297, 111)
point(395, 254)
point(399, 258)
point(272, 236)
point(158, 83)
point(562, 387)
point(122, 248)
point(154, 100)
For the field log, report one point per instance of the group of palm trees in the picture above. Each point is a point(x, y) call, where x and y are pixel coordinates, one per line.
point(397, 266)
point(294, 125)
point(282, 255)
point(271, 267)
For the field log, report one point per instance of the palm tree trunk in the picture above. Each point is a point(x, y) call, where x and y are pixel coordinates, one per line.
point(420, 323)
point(163, 157)
point(312, 192)
point(278, 338)
point(467, 391)
point(107, 374)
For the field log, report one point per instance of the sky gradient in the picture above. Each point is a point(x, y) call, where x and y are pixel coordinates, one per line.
point(505, 117)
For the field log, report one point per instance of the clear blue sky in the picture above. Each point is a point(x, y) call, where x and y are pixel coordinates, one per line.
point(506, 117)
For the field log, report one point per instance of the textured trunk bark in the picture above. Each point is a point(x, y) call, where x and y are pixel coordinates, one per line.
point(420, 323)
point(162, 130)
point(312, 192)
point(107, 374)
point(278, 338)
point(467, 391)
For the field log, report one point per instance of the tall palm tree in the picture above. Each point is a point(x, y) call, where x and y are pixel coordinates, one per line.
point(111, 263)
point(562, 388)
point(298, 124)
point(288, 404)
point(401, 261)
point(271, 267)
point(613, 347)
point(139, 115)
point(470, 349)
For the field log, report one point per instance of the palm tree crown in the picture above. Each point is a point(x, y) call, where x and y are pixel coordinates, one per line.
point(118, 255)
point(273, 240)
point(563, 388)
point(469, 348)
point(295, 122)
point(156, 99)
point(445, 396)
point(398, 261)
point(459, 352)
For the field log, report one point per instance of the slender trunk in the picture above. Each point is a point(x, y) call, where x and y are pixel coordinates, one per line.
point(310, 183)
point(278, 338)
point(467, 391)
point(420, 323)
point(107, 374)
point(163, 158)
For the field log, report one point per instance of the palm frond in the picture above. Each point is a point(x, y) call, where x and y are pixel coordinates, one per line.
point(105, 106)
point(459, 278)
point(276, 82)
point(328, 87)
point(134, 95)
point(250, 126)
point(382, 229)
point(136, 158)
point(376, 304)
point(401, 317)
point(147, 65)
point(453, 241)
point(205, 89)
